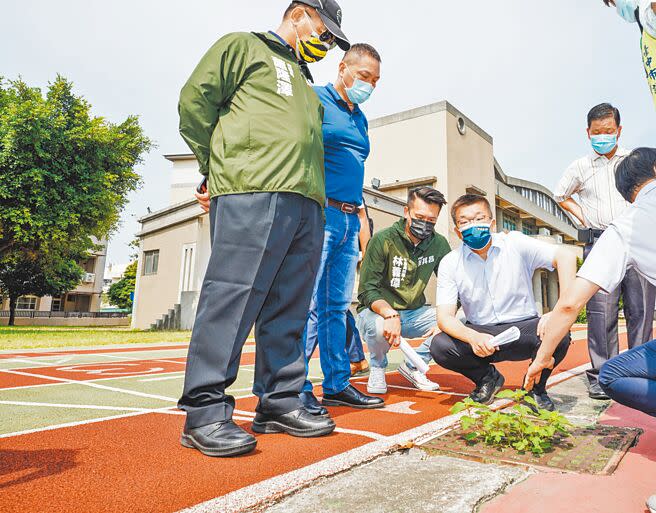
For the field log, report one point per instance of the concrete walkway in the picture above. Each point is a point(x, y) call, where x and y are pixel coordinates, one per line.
point(410, 481)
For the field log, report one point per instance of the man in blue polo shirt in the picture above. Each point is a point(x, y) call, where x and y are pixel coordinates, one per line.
point(346, 147)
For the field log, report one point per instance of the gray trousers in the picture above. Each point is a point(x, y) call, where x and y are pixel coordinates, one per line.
point(265, 255)
point(458, 356)
point(602, 311)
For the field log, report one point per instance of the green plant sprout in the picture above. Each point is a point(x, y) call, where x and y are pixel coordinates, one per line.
point(525, 428)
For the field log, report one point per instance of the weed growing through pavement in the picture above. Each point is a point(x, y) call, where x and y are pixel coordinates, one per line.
point(525, 428)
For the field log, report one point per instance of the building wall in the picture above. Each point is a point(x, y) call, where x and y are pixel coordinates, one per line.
point(470, 162)
point(157, 293)
point(407, 149)
point(184, 178)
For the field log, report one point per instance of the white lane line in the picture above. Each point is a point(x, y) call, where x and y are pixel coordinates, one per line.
point(32, 363)
point(83, 422)
point(92, 385)
point(78, 406)
point(367, 434)
point(178, 375)
point(126, 358)
point(412, 389)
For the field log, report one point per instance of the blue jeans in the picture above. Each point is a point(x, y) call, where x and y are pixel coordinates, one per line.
point(414, 324)
point(333, 292)
point(630, 378)
point(353, 340)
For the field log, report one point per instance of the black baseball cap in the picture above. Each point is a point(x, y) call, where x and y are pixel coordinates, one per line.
point(331, 15)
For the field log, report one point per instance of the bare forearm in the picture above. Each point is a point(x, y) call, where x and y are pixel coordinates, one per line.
point(573, 208)
point(565, 263)
point(564, 315)
point(453, 327)
point(382, 308)
point(365, 233)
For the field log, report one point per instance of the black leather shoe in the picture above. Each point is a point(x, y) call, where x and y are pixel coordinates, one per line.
point(311, 404)
point(353, 398)
point(296, 423)
point(543, 400)
point(596, 392)
point(492, 382)
point(219, 439)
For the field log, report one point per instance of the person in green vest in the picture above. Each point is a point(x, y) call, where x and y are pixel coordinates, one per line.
point(249, 114)
point(397, 266)
point(642, 12)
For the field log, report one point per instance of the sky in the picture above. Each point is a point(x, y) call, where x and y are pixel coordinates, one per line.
point(525, 71)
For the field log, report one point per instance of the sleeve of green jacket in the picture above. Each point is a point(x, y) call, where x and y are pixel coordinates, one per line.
point(211, 85)
point(371, 273)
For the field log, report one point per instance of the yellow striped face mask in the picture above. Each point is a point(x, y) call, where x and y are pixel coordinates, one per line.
point(316, 47)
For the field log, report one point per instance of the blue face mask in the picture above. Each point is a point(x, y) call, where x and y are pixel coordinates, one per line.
point(603, 143)
point(627, 9)
point(476, 236)
point(360, 91)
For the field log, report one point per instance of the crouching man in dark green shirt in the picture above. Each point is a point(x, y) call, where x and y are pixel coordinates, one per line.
point(397, 266)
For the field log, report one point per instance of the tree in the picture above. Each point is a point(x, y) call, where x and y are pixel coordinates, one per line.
point(119, 292)
point(65, 176)
point(33, 273)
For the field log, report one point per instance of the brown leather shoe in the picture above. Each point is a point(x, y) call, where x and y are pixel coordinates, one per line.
point(360, 367)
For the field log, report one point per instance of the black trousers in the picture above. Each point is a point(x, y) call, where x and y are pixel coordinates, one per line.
point(459, 356)
point(602, 312)
point(265, 255)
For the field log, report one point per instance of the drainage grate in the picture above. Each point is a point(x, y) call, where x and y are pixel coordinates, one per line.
point(591, 450)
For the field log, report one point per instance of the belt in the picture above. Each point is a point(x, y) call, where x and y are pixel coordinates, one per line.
point(347, 208)
point(589, 235)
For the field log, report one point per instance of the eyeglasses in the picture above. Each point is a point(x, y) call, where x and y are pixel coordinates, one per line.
point(325, 37)
point(476, 220)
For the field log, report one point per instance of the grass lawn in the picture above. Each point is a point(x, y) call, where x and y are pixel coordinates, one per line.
point(28, 337)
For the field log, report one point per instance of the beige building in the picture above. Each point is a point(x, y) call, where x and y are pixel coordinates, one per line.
point(82, 302)
point(434, 145)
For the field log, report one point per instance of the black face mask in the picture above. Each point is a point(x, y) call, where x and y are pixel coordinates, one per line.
point(421, 229)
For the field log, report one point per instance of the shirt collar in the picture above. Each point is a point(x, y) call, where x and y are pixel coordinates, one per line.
point(645, 190)
point(621, 152)
point(498, 241)
point(337, 97)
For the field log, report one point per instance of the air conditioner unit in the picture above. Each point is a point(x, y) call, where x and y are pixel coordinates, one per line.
point(559, 239)
point(545, 232)
point(89, 278)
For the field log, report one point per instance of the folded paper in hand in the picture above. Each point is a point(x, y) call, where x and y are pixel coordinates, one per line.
point(508, 336)
point(413, 357)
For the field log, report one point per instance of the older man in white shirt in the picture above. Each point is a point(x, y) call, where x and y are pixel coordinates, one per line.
point(491, 274)
point(627, 244)
point(593, 179)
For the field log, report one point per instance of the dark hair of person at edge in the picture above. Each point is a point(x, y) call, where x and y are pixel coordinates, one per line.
point(426, 194)
point(603, 111)
point(467, 200)
point(634, 170)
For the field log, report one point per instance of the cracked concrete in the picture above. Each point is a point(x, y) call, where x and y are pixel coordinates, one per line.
point(406, 482)
point(411, 481)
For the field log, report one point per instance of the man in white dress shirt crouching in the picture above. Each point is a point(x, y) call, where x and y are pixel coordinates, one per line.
point(491, 274)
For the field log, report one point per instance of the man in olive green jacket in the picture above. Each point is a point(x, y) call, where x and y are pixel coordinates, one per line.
point(253, 121)
point(397, 266)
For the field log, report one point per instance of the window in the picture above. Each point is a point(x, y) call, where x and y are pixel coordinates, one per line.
point(26, 303)
point(57, 304)
point(151, 262)
point(529, 228)
point(509, 222)
point(89, 264)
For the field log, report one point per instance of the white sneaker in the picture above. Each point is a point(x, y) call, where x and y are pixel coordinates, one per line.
point(376, 383)
point(417, 378)
point(651, 504)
